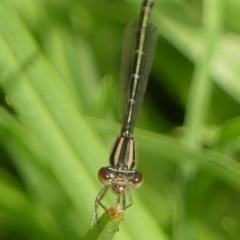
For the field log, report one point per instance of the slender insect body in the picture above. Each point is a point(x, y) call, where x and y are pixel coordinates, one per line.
point(138, 62)
point(121, 174)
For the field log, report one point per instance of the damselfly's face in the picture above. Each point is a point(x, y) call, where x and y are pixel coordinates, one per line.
point(120, 180)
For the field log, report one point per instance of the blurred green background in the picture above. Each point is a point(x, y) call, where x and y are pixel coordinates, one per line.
point(59, 79)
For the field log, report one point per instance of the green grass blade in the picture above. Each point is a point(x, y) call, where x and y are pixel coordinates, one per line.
point(48, 112)
point(201, 86)
point(186, 36)
point(105, 229)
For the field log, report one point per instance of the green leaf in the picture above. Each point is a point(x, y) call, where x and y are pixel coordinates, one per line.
point(105, 229)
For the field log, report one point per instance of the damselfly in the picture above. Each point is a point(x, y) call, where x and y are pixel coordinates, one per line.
point(139, 43)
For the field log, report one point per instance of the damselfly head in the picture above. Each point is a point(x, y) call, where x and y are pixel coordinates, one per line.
point(120, 180)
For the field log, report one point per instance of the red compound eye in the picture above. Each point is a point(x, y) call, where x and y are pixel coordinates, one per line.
point(104, 176)
point(138, 180)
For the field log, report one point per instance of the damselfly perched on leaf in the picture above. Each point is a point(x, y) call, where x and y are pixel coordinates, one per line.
point(138, 48)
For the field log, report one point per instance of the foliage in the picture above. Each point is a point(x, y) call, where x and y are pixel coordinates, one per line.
point(59, 74)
